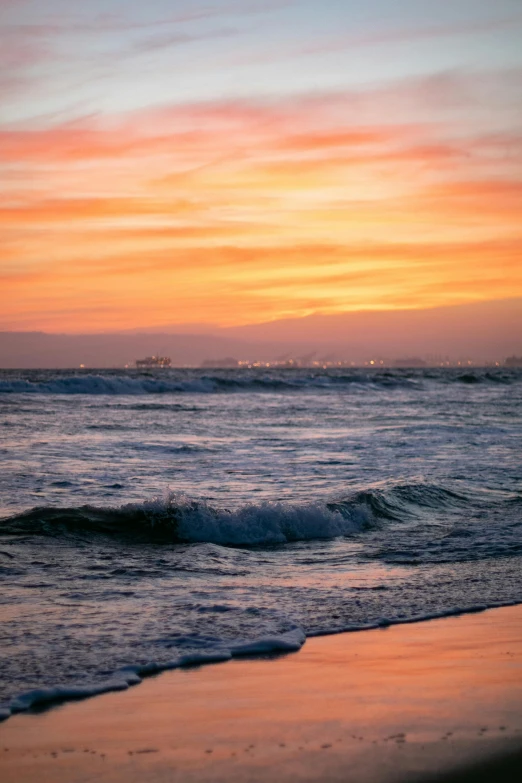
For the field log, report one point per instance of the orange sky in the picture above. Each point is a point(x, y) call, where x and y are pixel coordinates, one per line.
point(230, 210)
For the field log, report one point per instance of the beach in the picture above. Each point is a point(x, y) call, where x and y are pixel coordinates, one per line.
point(260, 391)
point(409, 702)
point(345, 542)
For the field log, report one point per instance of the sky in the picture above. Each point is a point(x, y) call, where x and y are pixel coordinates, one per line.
point(232, 162)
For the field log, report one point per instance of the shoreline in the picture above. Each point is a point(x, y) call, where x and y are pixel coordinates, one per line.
point(49, 697)
point(404, 702)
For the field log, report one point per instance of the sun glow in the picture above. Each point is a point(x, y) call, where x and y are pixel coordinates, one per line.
point(396, 194)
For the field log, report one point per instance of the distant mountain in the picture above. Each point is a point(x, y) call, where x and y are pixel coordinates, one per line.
point(485, 331)
point(500, 313)
point(41, 350)
point(38, 350)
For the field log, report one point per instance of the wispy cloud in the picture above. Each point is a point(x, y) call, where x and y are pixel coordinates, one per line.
point(384, 37)
point(402, 192)
point(413, 33)
point(84, 24)
point(174, 38)
point(237, 285)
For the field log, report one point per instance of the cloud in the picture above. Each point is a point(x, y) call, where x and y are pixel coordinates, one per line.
point(391, 36)
point(62, 210)
point(175, 38)
point(225, 208)
point(17, 54)
point(232, 285)
point(284, 264)
point(70, 24)
point(343, 121)
point(106, 39)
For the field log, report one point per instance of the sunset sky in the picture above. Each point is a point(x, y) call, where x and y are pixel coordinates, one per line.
point(235, 161)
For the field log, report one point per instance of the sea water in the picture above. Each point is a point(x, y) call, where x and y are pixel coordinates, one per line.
point(170, 517)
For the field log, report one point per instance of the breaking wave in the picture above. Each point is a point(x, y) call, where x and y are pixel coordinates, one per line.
point(186, 381)
point(405, 524)
point(179, 519)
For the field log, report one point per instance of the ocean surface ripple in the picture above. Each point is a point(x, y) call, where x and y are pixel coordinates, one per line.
point(159, 519)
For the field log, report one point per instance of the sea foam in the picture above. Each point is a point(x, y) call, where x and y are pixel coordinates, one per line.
point(289, 641)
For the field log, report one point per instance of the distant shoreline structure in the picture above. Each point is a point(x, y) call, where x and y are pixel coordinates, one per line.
point(154, 361)
point(309, 363)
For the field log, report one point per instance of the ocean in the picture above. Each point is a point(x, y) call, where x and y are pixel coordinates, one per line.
point(167, 518)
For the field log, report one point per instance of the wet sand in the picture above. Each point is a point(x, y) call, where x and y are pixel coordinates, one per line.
point(406, 703)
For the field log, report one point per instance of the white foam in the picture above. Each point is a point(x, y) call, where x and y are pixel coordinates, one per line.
point(291, 641)
point(41, 696)
point(266, 523)
point(288, 641)
point(198, 659)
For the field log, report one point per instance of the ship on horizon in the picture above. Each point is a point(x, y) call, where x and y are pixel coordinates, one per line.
point(153, 361)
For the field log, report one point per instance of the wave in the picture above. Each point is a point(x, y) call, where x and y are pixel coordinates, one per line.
point(176, 518)
point(381, 513)
point(203, 384)
point(187, 381)
point(286, 642)
point(105, 384)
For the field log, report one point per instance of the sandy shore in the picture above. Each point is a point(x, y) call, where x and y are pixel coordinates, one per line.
point(404, 703)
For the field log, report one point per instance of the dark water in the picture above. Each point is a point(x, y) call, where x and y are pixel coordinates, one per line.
point(157, 518)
